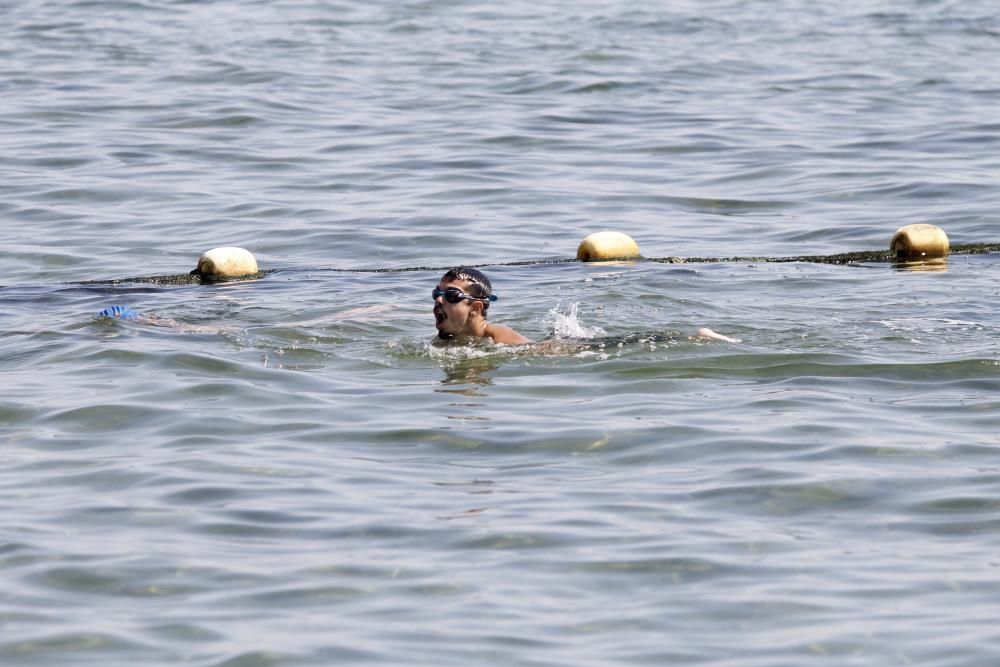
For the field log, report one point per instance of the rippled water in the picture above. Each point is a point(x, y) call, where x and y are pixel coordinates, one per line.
point(288, 472)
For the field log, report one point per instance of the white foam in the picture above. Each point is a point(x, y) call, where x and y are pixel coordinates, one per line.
point(462, 352)
point(568, 325)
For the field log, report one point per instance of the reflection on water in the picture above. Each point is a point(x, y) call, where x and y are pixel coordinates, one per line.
point(938, 265)
point(471, 370)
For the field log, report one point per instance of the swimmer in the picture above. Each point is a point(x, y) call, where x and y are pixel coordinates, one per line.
point(464, 295)
point(126, 314)
point(461, 300)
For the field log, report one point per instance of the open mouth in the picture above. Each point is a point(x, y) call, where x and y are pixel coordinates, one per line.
point(439, 316)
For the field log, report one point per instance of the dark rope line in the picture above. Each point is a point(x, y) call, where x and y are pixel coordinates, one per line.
point(179, 279)
point(412, 269)
point(857, 257)
point(868, 256)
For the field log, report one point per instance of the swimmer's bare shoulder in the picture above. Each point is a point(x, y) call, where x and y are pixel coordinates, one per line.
point(498, 333)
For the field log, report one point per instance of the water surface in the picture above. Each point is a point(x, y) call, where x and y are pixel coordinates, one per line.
point(291, 472)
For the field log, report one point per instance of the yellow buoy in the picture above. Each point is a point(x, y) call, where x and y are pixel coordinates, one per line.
point(227, 262)
point(919, 242)
point(604, 246)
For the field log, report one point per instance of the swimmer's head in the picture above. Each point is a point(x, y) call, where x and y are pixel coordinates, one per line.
point(460, 302)
point(479, 286)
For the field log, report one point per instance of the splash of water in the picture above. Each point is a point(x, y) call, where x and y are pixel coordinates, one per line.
point(568, 324)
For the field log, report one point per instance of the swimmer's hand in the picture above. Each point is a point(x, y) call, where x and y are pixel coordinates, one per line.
point(705, 332)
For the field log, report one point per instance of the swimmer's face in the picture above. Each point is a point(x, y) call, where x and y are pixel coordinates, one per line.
point(451, 318)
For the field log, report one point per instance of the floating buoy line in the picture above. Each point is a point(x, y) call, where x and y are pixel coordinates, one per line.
point(916, 246)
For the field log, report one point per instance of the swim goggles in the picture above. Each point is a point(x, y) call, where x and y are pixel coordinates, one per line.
point(455, 295)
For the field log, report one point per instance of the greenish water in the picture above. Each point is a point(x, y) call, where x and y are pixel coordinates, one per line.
point(290, 471)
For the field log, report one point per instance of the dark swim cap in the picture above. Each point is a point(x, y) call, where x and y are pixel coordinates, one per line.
point(481, 286)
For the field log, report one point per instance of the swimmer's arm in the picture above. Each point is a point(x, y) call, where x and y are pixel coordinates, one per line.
point(361, 314)
point(705, 332)
point(168, 323)
point(498, 333)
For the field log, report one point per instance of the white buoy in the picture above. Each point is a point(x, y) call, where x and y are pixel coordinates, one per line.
point(919, 242)
point(605, 246)
point(226, 262)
